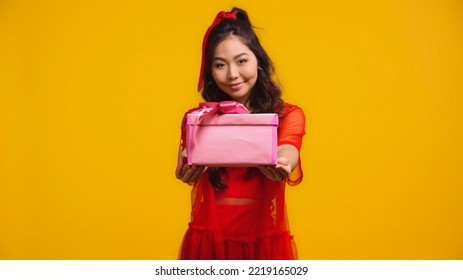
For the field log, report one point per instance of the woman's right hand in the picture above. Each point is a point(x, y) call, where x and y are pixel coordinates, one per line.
point(190, 173)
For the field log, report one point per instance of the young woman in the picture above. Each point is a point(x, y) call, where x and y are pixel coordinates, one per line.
point(239, 212)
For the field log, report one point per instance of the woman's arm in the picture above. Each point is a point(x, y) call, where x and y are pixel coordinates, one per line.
point(291, 131)
point(288, 157)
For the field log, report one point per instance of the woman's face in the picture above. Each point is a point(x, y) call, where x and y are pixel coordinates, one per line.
point(234, 68)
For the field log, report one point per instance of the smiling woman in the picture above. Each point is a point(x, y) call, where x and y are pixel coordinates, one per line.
point(87, 138)
point(235, 69)
point(239, 212)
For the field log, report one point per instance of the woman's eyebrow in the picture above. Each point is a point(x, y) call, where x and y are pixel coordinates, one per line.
point(235, 57)
point(239, 55)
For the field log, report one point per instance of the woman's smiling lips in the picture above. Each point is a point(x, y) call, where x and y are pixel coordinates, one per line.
point(236, 86)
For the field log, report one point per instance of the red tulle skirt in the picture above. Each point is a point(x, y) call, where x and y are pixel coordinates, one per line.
point(246, 222)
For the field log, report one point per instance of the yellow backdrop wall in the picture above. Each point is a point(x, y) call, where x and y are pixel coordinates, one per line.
point(92, 94)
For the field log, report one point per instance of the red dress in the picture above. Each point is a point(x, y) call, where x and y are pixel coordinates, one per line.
point(248, 219)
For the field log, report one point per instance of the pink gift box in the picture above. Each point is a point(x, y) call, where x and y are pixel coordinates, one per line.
point(232, 139)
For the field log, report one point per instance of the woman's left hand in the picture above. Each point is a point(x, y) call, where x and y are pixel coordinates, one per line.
point(277, 172)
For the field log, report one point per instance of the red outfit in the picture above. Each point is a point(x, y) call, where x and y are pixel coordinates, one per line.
point(248, 219)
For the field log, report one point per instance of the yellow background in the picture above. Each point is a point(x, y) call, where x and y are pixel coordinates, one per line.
point(92, 94)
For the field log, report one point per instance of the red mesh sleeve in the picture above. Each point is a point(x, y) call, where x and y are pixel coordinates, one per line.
point(291, 131)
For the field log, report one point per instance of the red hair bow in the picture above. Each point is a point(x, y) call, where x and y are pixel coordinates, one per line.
point(218, 18)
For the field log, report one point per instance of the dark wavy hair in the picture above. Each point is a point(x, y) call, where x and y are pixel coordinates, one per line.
point(265, 96)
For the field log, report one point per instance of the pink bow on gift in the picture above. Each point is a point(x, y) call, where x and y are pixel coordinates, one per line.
point(224, 107)
point(214, 108)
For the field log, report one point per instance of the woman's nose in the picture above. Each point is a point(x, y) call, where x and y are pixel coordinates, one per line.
point(232, 73)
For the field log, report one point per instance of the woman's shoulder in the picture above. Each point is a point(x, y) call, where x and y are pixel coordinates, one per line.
point(289, 108)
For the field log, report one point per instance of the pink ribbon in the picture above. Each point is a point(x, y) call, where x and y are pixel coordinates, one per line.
point(214, 108)
point(224, 107)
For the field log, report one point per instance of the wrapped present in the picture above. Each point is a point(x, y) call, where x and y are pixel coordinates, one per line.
point(225, 134)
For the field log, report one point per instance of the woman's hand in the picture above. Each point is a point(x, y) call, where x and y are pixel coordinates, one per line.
point(288, 157)
point(277, 172)
point(190, 173)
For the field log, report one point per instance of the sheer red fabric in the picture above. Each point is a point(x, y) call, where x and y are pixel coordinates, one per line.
point(247, 220)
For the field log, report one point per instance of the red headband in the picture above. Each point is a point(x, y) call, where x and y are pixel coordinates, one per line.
point(218, 18)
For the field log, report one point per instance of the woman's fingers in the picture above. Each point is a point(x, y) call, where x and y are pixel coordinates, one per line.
point(267, 172)
point(198, 171)
point(273, 173)
point(277, 172)
point(191, 173)
point(188, 175)
point(284, 170)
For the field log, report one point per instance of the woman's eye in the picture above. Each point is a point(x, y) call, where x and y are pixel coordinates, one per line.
point(219, 65)
point(242, 61)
